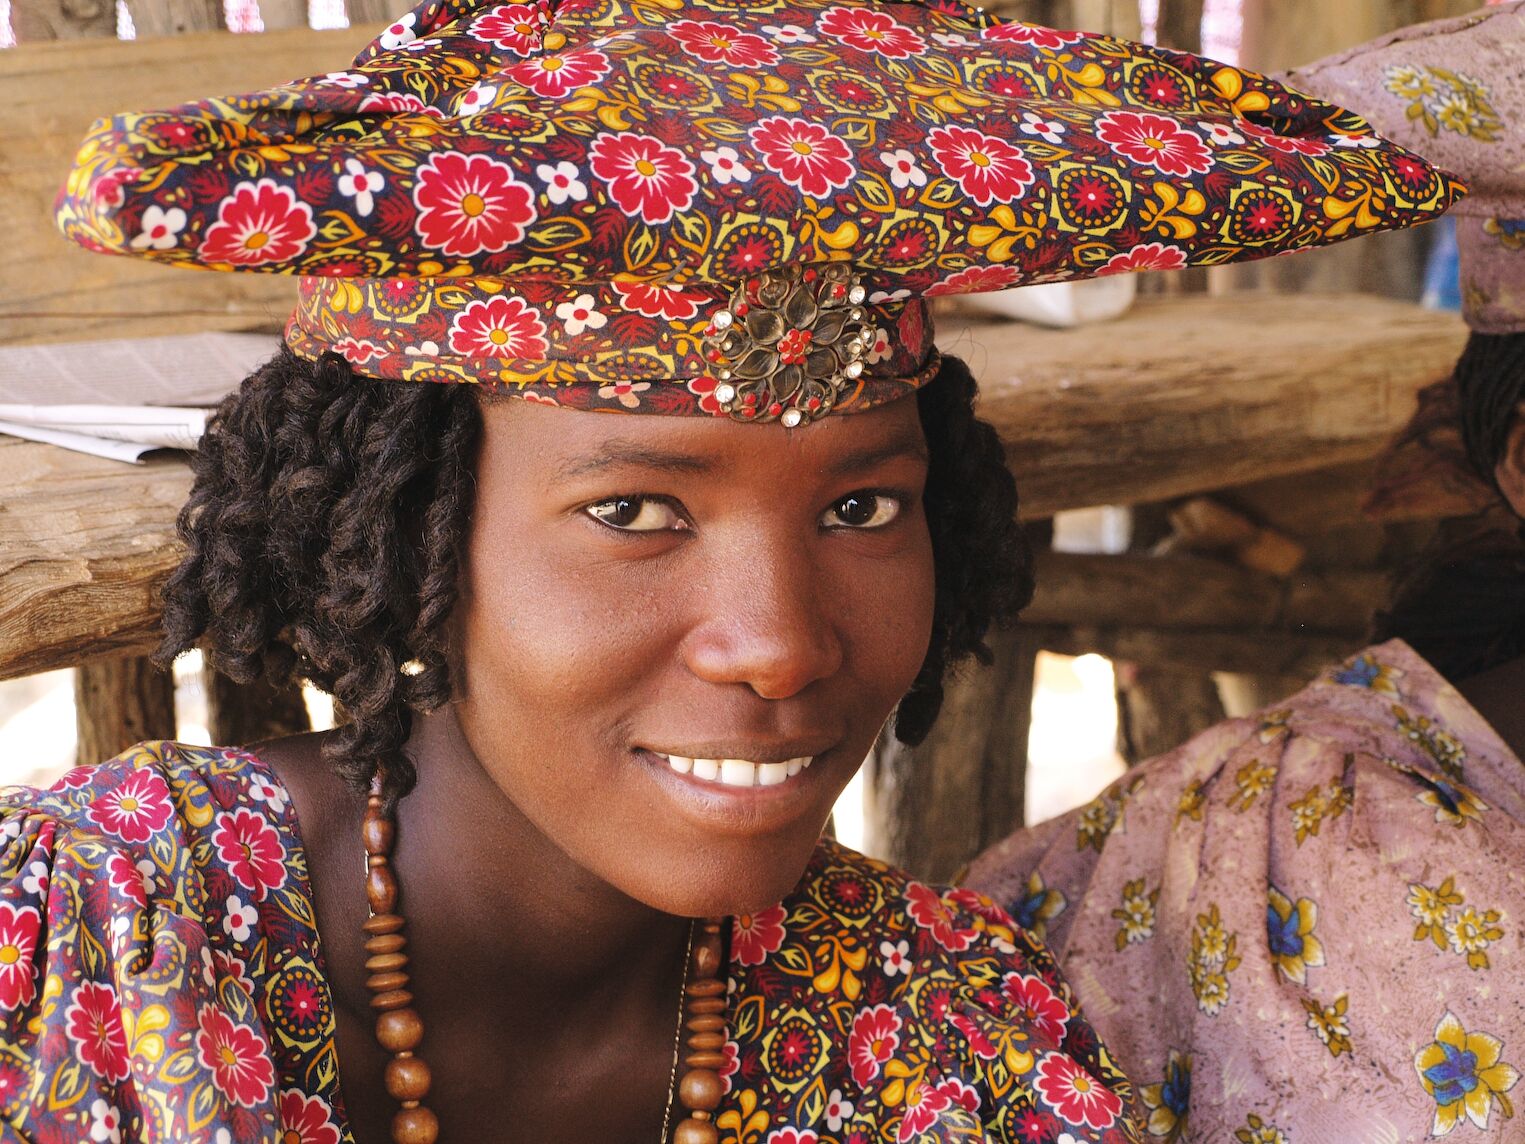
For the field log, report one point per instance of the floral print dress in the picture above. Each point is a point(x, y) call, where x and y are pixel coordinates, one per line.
point(161, 980)
point(1303, 926)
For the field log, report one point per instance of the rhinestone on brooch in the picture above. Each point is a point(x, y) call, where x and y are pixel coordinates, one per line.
point(790, 343)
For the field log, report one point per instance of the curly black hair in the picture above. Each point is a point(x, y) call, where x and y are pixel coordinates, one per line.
point(326, 524)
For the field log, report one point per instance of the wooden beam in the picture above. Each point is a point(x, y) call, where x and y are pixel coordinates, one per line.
point(50, 290)
point(1165, 401)
point(242, 713)
point(1249, 651)
point(119, 702)
point(34, 21)
point(174, 17)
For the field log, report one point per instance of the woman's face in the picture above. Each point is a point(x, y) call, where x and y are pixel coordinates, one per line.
point(645, 591)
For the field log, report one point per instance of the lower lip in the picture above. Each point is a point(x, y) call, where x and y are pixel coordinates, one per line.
point(735, 809)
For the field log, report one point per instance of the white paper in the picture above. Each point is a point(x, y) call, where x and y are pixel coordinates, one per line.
point(79, 442)
point(179, 370)
point(156, 426)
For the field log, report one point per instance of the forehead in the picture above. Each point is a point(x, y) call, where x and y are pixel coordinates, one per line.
point(551, 445)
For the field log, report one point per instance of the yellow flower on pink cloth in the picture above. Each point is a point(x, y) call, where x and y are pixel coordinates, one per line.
point(1465, 1075)
point(1289, 934)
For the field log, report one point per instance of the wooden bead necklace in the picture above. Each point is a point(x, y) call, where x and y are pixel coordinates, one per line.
point(399, 1028)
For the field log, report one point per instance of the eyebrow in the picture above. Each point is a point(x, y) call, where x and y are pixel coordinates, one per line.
point(909, 443)
point(618, 453)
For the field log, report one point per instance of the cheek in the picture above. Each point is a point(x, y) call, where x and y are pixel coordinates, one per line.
point(888, 619)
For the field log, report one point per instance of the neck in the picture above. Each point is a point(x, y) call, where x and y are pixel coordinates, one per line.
point(488, 890)
point(1498, 695)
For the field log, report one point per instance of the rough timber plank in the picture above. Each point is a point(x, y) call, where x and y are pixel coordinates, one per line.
point(1189, 395)
point(51, 290)
point(1166, 402)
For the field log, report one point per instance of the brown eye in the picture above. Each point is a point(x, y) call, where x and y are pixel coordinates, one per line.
point(636, 514)
point(862, 510)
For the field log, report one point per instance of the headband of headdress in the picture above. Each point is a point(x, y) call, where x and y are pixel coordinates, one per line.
point(696, 206)
point(1454, 91)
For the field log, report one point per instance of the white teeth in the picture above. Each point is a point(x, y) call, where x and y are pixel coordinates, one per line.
point(738, 772)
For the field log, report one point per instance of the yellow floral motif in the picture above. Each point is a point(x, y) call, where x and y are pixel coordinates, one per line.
point(1440, 745)
point(1190, 803)
point(1273, 724)
point(1037, 906)
point(1454, 805)
point(1464, 1074)
point(1169, 1101)
point(1289, 932)
point(1096, 823)
point(1445, 100)
point(1310, 812)
point(1253, 780)
point(1136, 914)
point(1471, 933)
point(1330, 1023)
point(1257, 1131)
point(1213, 957)
point(1445, 919)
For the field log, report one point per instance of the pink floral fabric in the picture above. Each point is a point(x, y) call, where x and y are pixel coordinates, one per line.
point(161, 980)
point(1302, 926)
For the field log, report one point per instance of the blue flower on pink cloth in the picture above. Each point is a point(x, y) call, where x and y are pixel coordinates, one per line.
point(1365, 671)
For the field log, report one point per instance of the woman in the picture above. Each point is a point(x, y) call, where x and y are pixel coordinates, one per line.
point(624, 665)
point(1321, 902)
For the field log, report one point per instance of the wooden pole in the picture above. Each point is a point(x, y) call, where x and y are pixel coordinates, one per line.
point(36, 20)
point(932, 808)
point(242, 713)
point(120, 702)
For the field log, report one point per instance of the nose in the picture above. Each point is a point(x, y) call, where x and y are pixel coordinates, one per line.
point(765, 621)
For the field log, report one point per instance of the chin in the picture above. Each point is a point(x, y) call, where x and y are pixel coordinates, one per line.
point(730, 882)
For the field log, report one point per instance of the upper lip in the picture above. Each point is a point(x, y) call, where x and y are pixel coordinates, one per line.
point(751, 752)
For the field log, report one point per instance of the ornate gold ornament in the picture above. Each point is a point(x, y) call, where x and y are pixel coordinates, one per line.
point(790, 344)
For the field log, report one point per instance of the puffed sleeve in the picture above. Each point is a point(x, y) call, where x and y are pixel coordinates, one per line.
point(132, 897)
point(1004, 1052)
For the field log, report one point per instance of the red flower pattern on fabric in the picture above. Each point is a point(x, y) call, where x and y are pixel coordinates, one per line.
point(252, 851)
point(986, 169)
point(654, 300)
point(874, 1038)
point(1031, 997)
point(872, 31)
point(717, 43)
point(515, 28)
point(1147, 256)
point(1156, 140)
point(1078, 1097)
point(498, 327)
point(805, 155)
point(237, 1056)
point(1286, 144)
point(976, 280)
point(135, 809)
point(19, 926)
point(554, 76)
point(981, 1045)
point(646, 178)
point(1030, 35)
point(93, 1023)
point(258, 223)
point(931, 913)
point(754, 936)
point(306, 1120)
point(468, 204)
point(792, 1136)
point(925, 1106)
point(125, 879)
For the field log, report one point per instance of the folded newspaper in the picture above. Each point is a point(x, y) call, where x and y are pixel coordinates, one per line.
point(122, 399)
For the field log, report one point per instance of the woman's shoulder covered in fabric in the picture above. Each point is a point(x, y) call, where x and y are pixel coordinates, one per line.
point(159, 969)
point(956, 1021)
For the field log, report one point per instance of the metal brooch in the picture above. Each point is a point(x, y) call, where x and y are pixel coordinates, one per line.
point(790, 343)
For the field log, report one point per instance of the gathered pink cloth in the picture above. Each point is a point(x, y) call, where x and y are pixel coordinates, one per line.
point(1302, 926)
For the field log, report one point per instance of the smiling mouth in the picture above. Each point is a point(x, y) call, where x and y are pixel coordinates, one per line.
point(737, 772)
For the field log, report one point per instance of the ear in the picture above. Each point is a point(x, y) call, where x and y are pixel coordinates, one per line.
point(1510, 472)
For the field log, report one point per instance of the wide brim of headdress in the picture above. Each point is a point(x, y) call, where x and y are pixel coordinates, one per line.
point(574, 198)
point(1454, 91)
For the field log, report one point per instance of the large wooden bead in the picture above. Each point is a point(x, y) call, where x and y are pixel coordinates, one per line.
point(415, 1126)
point(407, 1079)
point(701, 1090)
point(381, 889)
point(378, 833)
point(693, 1131)
point(707, 956)
point(400, 1030)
